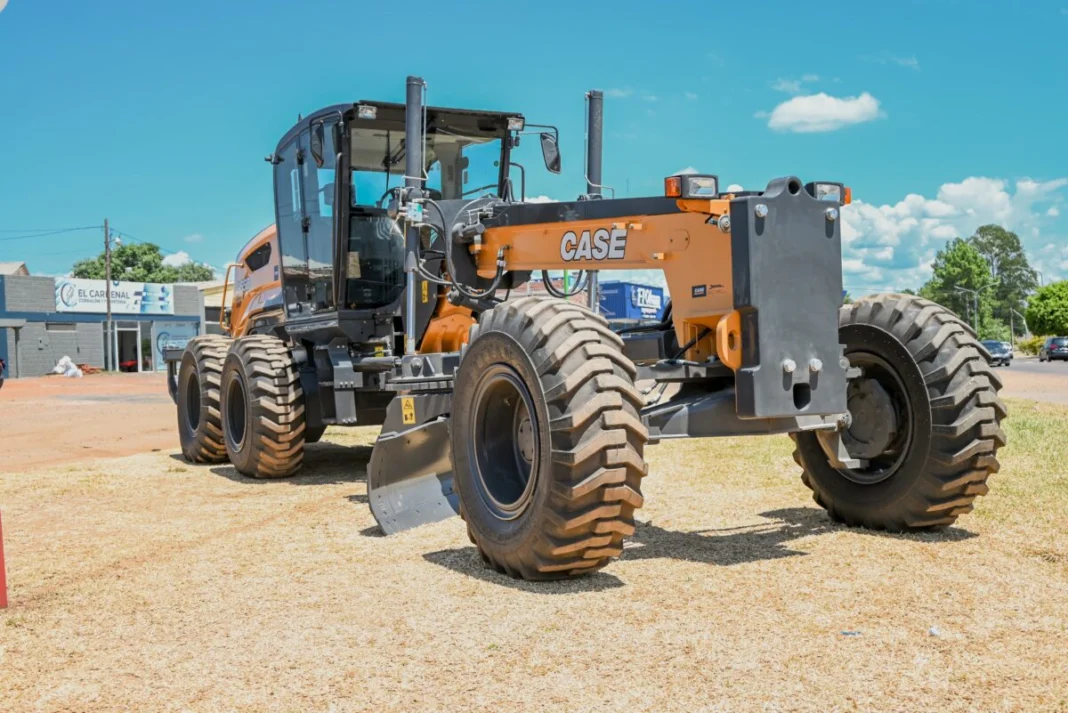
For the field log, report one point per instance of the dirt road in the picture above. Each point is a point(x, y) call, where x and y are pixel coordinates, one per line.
point(53, 420)
point(1027, 378)
point(147, 584)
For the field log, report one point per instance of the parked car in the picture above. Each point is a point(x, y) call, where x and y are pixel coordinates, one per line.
point(1000, 355)
point(1054, 348)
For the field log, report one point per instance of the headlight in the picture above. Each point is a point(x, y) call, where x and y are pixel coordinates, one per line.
point(366, 111)
point(833, 192)
point(691, 185)
point(516, 123)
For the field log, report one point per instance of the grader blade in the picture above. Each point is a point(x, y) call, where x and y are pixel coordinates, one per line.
point(409, 479)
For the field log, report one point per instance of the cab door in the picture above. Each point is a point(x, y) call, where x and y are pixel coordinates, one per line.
point(292, 235)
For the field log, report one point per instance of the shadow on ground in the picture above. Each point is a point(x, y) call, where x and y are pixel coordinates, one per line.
point(466, 560)
point(324, 463)
point(722, 547)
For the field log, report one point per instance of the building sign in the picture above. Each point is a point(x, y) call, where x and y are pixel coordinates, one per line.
point(170, 335)
point(648, 300)
point(75, 295)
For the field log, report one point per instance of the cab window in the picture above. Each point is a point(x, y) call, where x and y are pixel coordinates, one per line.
point(259, 257)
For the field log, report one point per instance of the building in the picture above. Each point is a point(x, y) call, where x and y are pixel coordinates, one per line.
point(43, 319)
point(13, 268)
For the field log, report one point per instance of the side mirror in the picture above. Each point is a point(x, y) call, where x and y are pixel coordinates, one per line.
point(550, 152)
point(318, 137)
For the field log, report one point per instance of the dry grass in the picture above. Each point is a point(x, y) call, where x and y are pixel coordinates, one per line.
point(146, 584)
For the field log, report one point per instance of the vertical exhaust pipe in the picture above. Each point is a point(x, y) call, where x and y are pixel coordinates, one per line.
point(594, 139)
point(413, 172)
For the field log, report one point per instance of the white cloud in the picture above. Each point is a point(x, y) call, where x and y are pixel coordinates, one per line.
point(651, 98)
point(734, 188)
point(618, 93)
point(683, 171)
point(540, 199)
point(177, 259)
point(793, 86)
point(194, 238)
point(822, 112)
point(892, 246)
point(789, 86)
point(909, 62)
point(690, 95)
point(1053, 211)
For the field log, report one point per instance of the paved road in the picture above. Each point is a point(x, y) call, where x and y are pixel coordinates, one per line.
point(1031, 365)
point(1029, 379)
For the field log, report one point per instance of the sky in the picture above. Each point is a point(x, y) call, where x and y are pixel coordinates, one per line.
point(941, 116)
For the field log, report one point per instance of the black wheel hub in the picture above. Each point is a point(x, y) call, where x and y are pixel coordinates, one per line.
point(192, 402)
point(236, 413)
point(880, 429)
point(504, 442)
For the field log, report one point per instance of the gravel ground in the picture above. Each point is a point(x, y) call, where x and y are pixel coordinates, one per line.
point(146, 584)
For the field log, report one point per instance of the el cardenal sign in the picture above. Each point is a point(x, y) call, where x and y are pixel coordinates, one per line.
point(74, 295)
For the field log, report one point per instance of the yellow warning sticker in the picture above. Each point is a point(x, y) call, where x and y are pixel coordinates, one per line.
point(426, 292)
point(407, 410)
point(380, 350)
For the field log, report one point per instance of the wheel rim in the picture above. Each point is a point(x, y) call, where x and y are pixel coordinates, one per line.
point(503, 444)
point(881, 427)
point(236, 413)
point(192, 402)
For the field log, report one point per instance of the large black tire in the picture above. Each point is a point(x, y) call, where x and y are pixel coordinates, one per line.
point(313, 435)
point(199, 415)
point(947, 411)
point(263, 408)
point(547, 441)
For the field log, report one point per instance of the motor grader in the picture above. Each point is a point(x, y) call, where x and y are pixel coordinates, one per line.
point(381, 297)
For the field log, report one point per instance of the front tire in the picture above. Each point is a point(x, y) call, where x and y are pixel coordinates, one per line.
point(547, 441)
point(931, 450)
point(199, 412)
point(263, 408)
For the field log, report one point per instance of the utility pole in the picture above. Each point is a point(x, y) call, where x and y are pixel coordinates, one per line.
point(108, 351)
point(975, 301)
point(1014, 312)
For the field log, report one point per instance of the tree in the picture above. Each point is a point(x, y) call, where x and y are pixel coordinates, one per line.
point(960, 264)
point(140, 262)
point(1009, 266)
point(1047, 312)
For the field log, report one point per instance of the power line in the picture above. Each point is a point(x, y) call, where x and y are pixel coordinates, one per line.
point(51, 232)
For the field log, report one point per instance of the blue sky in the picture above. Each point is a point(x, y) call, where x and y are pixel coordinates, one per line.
point(940, 115)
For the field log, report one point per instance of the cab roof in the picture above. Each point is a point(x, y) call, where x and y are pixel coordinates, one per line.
point(393, 112)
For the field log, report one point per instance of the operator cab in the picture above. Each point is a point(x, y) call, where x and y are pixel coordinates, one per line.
point(466, 155)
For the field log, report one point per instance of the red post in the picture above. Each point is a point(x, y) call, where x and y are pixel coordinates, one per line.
point(3, 571)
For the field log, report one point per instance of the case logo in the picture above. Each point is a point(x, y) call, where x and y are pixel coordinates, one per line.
point(599, 244)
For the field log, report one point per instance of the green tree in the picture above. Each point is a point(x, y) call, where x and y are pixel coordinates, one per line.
point(960, 264)
point(1016, 279)
point(140, 262)
point(1047, 311)
point(847, 299)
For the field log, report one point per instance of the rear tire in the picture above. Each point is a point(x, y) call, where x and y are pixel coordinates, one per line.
point(947, 417)
point(199, 414)
point(547, 441)
point(313, 435)
point(263, 408)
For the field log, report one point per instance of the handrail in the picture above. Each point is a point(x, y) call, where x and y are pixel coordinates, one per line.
point(222, 305)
